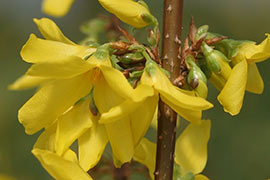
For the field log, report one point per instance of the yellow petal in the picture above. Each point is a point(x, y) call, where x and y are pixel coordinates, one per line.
point(255, 82)
point(232, 95)
point(46, 140)
point(128, 106)
point(51, 31)
point(201, 177)
point(169, 92)
point(121, 140)
point(105, 98)
point(145, 153)
point(91, 146)
point(38, 50)
point(117, 81)
point(258, 53)
point(60, 168)
point(51, 101)
point(127, 11)
point(141, 92)
point(190, 115)
point(26, 82)
point(70, 156)
point(57, 8)
point(191, 147)
point(174, 97)
point(218, 81)
point(142, 117)
point(154, 123)
point(72, 125)
point(118, 112)
point(60, 68)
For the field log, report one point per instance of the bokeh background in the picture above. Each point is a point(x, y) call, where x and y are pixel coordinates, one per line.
point(239, 148)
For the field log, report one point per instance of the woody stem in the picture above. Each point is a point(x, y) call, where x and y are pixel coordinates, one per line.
point(172, 26)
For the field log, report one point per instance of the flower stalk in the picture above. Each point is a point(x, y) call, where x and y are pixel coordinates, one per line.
point(172, 26)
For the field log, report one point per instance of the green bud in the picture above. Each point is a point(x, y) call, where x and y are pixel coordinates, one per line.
point(214, 58)
point(196, 78)
point(136, 74)
point(150, 68)
point(201, 90)
point(114, 62)
point(202, 31)
point(131, 57)
point(195, 72)
point(203, 66)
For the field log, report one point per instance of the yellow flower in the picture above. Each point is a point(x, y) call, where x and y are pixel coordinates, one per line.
point(69, 78)
point(190, 151)
point(141, 109)
point(191, 148)
point(145, 153)
point(182, 102)
point(56, 8)
point(133, 13)
point(59, 137)
point(129, 11)
point(244, 75)
point(61, 167)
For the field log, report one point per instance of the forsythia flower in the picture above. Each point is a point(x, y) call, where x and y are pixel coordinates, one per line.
point(141, 109)
point(54, 59)
point(129, 11)
point(65, 167)
point(191, 148)
point(244, 75)
point(56, 8)
point(133, 13)
point(190, 151)
point(70, 78)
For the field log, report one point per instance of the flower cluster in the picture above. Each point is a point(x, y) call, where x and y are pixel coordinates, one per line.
point(108, 94)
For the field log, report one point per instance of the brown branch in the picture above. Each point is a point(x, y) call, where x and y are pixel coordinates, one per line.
point(172, 24)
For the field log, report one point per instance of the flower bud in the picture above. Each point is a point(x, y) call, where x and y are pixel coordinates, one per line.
point(203, 66)
point(202, 31)
point(133, 13)
point(216, 61)
point(136, 74)
point(131, 57)
point(196, 78)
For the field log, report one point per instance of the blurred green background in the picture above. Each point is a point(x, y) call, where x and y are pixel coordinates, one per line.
point(239, 148)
